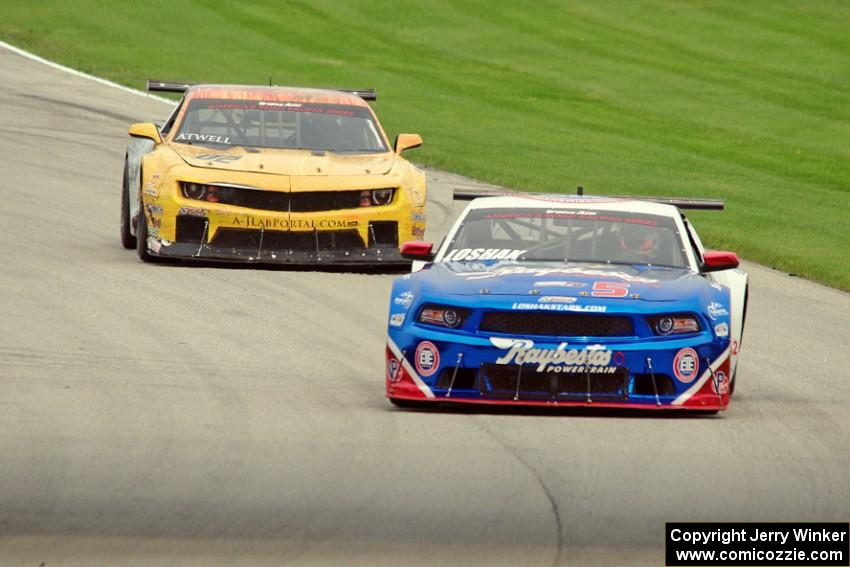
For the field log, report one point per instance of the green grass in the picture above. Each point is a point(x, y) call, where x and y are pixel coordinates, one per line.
point(744, 101)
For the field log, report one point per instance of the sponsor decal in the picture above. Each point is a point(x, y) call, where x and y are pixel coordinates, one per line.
point(219, 158)
point(192, 212)
point(153, 231)
point(610, 289)
point(417, 216)
point(338, 110)
point(151, 188)
point(189, 137)
point(572, 213)
point(427, 358)
point(720, 378)
point(716, 286)
point(396, 319)
point(405, 299)
point(418, 231)
point(550, 214)
point(579, 200)
point(470, 254)
point(248, 221)
point(716, 310)
point(154, 245)
point(721, 330)
point(564, 214)
point(393, 367)
point(275, 104)
point(686, 365)
point(153, 209)
point(522, 306)
point(523, 271)
point(557, 299)
point(594, 359)
point(560, 284)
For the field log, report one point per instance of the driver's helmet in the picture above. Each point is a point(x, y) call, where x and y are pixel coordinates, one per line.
point(639, 240)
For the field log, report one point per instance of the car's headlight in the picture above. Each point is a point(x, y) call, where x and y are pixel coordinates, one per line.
point(376, 197)
point(196, 191)
point(674, 324)
point(201, 192)
point(442, 316)
point(382, 196)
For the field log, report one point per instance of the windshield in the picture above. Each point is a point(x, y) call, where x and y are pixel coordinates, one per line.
point(280, 125)
point(567, 235)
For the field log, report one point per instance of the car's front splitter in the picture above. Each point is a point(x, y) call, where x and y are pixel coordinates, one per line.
point(375, 256)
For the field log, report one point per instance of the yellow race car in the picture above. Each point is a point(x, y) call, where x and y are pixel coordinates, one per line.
point(270, 175)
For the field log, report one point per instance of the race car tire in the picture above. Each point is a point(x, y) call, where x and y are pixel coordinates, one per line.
point(142, 238)
point(128, 241)
point(408, 404)
point(705, 412)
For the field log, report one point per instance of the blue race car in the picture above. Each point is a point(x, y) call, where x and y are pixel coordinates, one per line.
point(543, 300)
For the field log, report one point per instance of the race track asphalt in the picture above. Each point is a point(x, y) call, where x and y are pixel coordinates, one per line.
point(180, 415)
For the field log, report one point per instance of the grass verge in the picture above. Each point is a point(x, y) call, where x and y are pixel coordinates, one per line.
point(747, 102)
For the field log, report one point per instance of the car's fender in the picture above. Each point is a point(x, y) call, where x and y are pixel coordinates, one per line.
point(406, 292)
point(737, 282)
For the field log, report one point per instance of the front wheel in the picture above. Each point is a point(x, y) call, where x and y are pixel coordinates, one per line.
point(142, 237)
point(409, 404)
point(128, 241)
point(705, 412)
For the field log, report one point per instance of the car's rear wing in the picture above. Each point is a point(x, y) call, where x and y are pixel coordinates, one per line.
point(155, 86)
point(682, 203)
point(168, 86)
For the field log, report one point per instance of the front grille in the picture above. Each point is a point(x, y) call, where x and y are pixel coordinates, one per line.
point(253, 198)
point(310, 201)
point(501, 381)
point(464, 379)
point(642, 384)
point(557, 324)
point(383, 233)
point(282, 201)
point(190, 229)
point(286, 240)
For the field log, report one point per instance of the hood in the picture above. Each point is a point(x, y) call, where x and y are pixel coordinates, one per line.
point(561, 279)
point(284, 162)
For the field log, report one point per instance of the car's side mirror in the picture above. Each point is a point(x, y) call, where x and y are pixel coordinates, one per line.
point(715, 261)
point(418, 250)
point(146, 130)
point(407, 142)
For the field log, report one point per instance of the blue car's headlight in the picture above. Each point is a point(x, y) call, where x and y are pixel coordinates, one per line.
point(674, 324)
point(442, 316)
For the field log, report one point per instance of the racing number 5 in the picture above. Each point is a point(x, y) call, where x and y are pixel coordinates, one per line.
point(610, 289)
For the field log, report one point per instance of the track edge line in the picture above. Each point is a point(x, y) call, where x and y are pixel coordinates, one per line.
point(75, 72)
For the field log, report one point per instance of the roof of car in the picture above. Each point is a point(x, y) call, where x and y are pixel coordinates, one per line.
point(274, 94)
point(574, 202)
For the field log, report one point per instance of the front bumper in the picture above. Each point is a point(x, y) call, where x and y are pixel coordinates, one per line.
point(189, 230)
point(681, 374)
